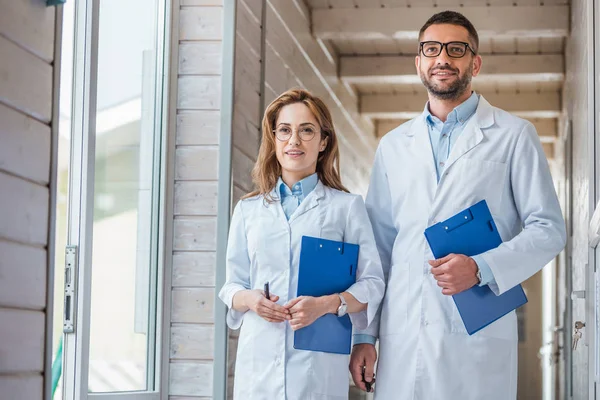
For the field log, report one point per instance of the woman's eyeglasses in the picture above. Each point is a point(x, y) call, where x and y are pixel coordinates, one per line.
point(453, 49)
point(305, 133)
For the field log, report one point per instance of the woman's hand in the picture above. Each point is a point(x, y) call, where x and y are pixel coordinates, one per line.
point(306, 309)
point(269, 310)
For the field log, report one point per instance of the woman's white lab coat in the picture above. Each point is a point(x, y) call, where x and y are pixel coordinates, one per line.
point(425, 352)
point(264, 246)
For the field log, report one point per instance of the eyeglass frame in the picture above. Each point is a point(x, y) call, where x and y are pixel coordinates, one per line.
point(467, 46)
point(297, 132)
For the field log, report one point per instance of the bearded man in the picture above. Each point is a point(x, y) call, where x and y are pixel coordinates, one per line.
point(459, 151)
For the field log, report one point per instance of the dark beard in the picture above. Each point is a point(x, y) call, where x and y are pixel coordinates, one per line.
point(454, 91)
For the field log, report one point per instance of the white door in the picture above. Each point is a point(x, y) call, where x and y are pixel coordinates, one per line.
point(114, 130)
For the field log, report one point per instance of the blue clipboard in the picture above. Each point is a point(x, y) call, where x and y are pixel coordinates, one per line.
point(326, 267)
point(472, 232)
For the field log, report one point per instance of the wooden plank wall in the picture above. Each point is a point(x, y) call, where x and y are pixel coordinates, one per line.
point(295, 58)
point(247, 116)
point(27, 33)
point(195, 199)
point(196, 174)
point(292, 58)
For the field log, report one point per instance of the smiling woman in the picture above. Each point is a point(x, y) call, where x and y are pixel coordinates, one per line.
point(298, 193)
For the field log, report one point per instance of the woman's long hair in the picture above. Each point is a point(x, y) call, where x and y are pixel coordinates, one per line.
point(267, 169)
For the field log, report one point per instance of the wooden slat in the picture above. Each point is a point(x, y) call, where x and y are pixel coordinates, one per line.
point(194, 269)
point(22, 276)
point(191, 379)
point(269, 94)
point(546, 126)
point(193, 305)
point(196, 163)
point(246, 135)
point(192, 342)
point(30, 387)
point(548, 149)
point(25, 149)
point(24, 211)
point(247, 101)
point(198, 127)
point(238, 192)
point(247, 66)
point(275, 71)
point(191, 398)
point(318, 3)
point(25, 81)
point(241, 168)
point(22, 343)
point(195, 234)
point(196, 198)
point(254, 6)
point(199, 93)
point(248, 30)
point(30, 24)
point(384, 126)
point(201, 2)
point(200, 58)
point(201, 23)
point(406, 22)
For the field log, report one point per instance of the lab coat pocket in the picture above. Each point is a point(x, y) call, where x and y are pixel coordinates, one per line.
point(394, 312)
point(486, 181)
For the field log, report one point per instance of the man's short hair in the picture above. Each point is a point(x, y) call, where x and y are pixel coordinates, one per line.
point(453, 18)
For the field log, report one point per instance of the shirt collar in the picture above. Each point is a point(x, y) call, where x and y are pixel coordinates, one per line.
point(461, 113)
point(302, 188)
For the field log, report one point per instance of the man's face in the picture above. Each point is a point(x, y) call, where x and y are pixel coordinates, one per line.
point(445, 77)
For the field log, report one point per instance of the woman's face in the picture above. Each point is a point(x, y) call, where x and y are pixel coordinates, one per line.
point(298, 142)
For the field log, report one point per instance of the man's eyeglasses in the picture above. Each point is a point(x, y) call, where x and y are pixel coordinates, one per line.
point(453, 49)
point(305, 133)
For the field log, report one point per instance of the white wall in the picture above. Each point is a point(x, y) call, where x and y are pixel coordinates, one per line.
point(580, 111)
point(27, 33)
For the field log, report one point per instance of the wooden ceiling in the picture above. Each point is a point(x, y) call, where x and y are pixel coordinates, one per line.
point(522, 43)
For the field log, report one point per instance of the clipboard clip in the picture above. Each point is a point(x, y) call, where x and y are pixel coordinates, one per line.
point(458, 220)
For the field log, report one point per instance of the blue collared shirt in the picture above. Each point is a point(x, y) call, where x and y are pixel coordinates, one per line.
point(443, 136)
point(292, 197)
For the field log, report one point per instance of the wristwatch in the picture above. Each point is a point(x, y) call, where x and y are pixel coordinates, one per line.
point(342, 309)
point(478, 275)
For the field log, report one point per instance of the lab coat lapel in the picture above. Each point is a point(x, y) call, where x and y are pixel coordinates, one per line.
point(275, 208)
point(310, 202)
point(423, 155)
point(472, 135)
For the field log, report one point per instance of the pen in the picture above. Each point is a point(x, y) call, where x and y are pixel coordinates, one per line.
point(267, 294)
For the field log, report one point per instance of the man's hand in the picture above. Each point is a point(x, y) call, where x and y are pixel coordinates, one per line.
point(454, 273)
point(267, 309)
point(363, 354)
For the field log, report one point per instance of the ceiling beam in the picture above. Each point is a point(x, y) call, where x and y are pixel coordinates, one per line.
point(405, 23)
point(410, 105)
point(496, 68)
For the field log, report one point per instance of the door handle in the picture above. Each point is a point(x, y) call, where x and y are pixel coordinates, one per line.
point(70, 286)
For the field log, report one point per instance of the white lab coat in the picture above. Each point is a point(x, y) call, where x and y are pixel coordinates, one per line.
point(263, 246)
point(424, 350)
